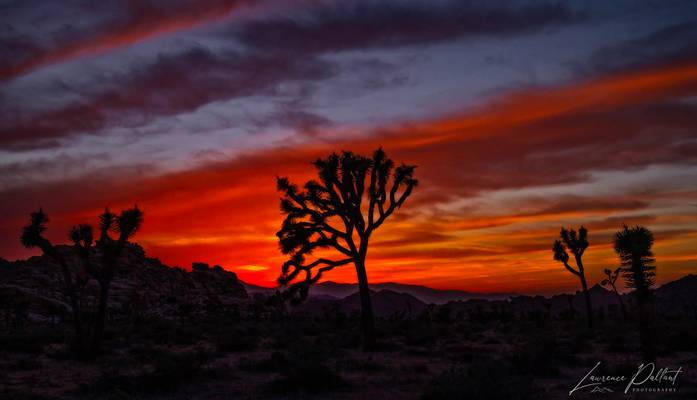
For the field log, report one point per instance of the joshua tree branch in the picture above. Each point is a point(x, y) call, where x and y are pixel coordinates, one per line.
point(394, 203)
point(573, 271)
point(335, 243)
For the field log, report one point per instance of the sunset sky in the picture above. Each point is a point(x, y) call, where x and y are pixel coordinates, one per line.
point(522, 117)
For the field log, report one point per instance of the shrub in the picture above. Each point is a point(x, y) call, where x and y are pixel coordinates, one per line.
point(487, 381)
point(29, 340)
point(536, 356)
point(166, 372)
point(237, 340)
point(682, 339)
point(275, 362)
point(306, 375)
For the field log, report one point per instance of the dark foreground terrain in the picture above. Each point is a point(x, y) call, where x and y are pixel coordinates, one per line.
point(218, 342)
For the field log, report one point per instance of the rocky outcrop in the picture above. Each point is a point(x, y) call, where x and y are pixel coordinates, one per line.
point(142, 286)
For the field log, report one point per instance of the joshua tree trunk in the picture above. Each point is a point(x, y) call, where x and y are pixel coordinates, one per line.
point(79, 340)
point(577, 243)
point(586, 295)
point(646, 315)
point(74, 296)
point(101, 318)
point(589, 307)
point(367, 316)
point(646, 337)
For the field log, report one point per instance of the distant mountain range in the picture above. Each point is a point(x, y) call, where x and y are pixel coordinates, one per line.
point(391, 299)
point(334, 290)
point(386, 303)
point(676, 297)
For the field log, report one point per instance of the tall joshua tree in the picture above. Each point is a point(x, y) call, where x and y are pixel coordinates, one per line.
point(633, 246)
point(124, 226)
point(339, 213)
point(107, 250)
point(576, 243)
point(610, 281)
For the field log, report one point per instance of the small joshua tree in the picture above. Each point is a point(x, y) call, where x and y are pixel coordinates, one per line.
point(576, 243)
point(108, 252)
point(331, 214)
point(73, 282)
point(610, 281)
point(633, 246)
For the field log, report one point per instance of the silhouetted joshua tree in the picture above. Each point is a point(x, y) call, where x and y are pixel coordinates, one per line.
point(577, 244)
point(633, 246)
point(73, 281)
point(108, 251)
point(125, 226)
point(331, 213)
point(610, 281)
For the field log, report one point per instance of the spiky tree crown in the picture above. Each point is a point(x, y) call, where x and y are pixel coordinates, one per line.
point(32, 234)
point(81, 235)
point(633, 246)
point(352, 198)
point(129, 222)
point(125, 224)
point(575, 242)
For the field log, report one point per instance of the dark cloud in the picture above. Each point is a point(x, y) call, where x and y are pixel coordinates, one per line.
point(36, 171)
point(301, 120)
point(618, 221)
point(568, 204)
point(55, 31)
point(337, 26)
point(170, 85)
point(669, 44)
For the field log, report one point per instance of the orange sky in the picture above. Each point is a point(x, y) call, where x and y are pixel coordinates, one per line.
point(495, 186)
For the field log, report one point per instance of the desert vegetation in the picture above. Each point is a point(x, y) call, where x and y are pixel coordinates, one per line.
point(576, 243)
point(633, 246)
point(106, 250)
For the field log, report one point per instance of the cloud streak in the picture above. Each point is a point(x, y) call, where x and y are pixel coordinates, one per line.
point(170, 85)
point(143, 20)
point(339, 26)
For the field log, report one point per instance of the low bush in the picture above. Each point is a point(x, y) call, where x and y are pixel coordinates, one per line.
point(306, 375)
point(164, 372)
point(486, 381)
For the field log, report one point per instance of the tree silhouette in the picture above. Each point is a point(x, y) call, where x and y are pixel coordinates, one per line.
point(633, 246)
point(73, 282)
point(610, 281)
point(108, 250)
point(125, 226)
point(577, 243)
point(331, 214)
